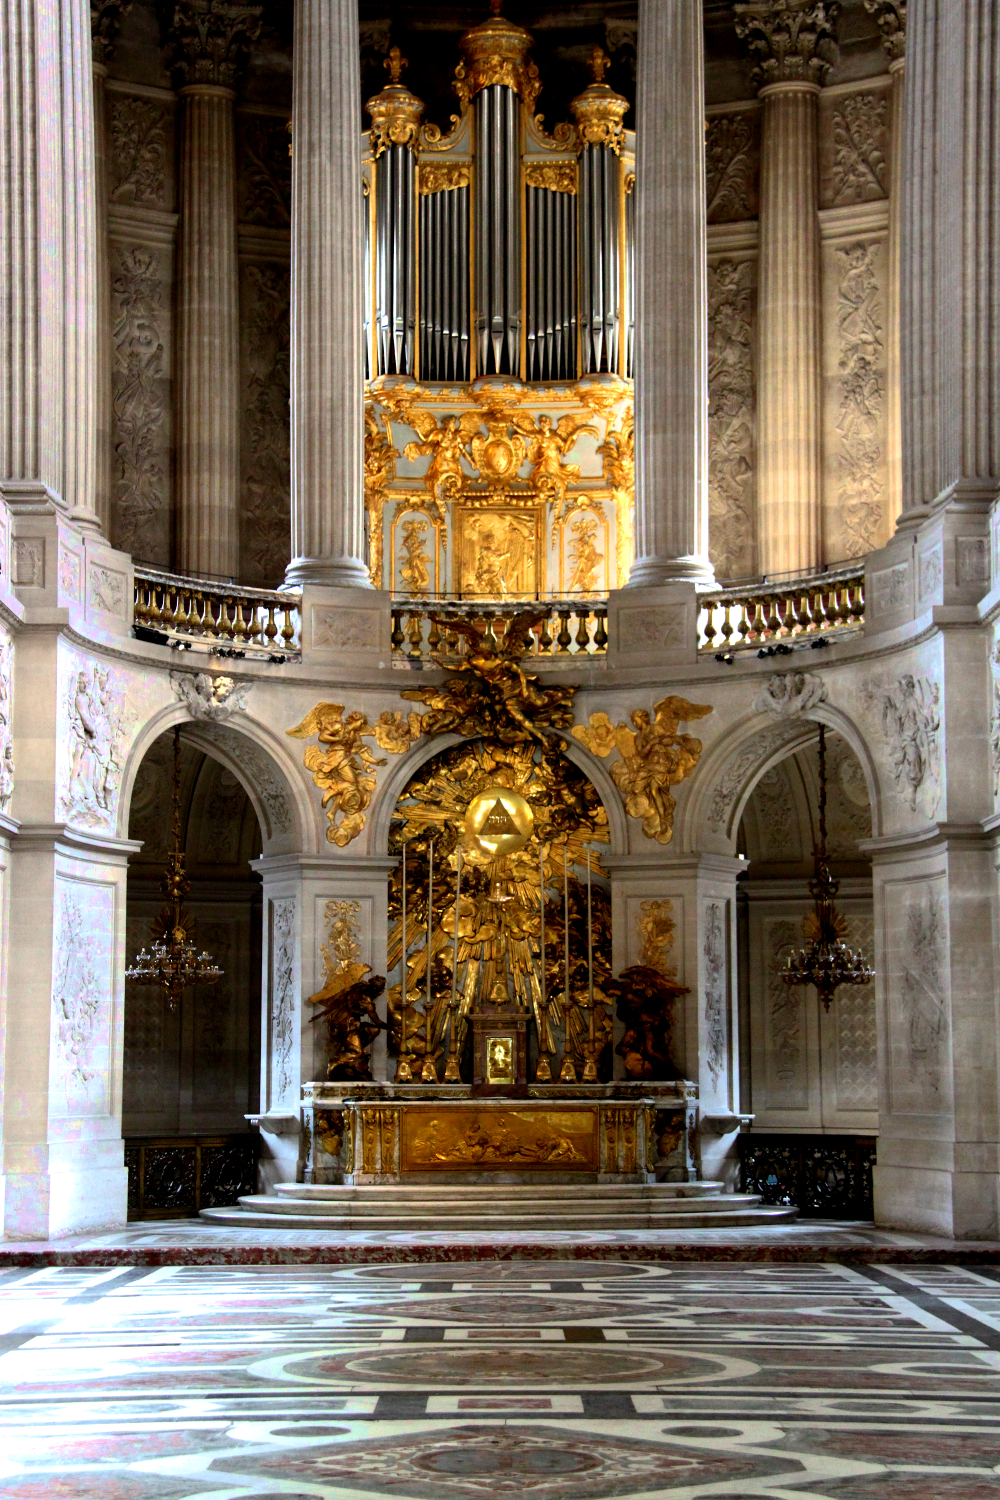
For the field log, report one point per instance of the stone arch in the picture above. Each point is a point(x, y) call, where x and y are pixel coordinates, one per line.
point(725, 778)
point(388, 794)
point(259, 762)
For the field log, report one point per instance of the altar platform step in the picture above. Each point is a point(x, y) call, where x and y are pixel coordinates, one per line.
point(392, 1208)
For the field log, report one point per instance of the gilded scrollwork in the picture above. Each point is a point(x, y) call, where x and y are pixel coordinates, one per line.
point(414, 571)
point(379, 470)
point(443, 176)
point(653, 757)
point(548, 445)
point(446, 443)
point(344, 769)
point(395, 111)
point(655, 924)
point(557, 176)
point(599, 112)
point(584, 556)
point(618, 452)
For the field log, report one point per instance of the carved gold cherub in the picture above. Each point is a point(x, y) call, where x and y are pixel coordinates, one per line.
point(654, 757)
point(446, 444)
point(549, 444)
point(343, 770)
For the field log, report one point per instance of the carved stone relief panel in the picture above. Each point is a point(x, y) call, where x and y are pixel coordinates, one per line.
point(264, 170)
point(265, 538)
point(785, 1021)
point(6, 719)
point(82, 1021)
point(731, 417)
point(141, 396)
point(918, 1001)
point(855, 517)
point(97, 720)
point(714, 951)
point(854, 147)
point(853, 1014)
point(905, 710)
point(282, 1002)
point(140, 155)
point(732, 164)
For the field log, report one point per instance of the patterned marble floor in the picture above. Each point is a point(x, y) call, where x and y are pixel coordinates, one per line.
point(533, 1380)
point(198, 1242)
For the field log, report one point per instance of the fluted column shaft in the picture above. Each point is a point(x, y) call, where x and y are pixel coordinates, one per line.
point(671, 384)
point(327, 351)
point(102, 303)
point(47, 252)
point(894, 438)
point(950, 283)
point(790, 517)
point(208, 336)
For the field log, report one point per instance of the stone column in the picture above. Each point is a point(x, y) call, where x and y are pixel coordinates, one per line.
point(671, 384)
point(891, 17)
point(950, 283)
point(47, 257)
point(212, 36)
point(327, 348)
point(785, 40)
point(105, 16)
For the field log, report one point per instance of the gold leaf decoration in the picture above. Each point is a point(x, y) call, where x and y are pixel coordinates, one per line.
point(343, 770)
point(653, 758)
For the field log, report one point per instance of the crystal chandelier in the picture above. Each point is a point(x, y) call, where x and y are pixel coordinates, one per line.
point(174, 963)
point(826, 962)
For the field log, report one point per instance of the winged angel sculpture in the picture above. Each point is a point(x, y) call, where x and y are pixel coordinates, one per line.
point(446, 443)
point(342, 765)
point(489, 692)
point(549, 444)
point(653, 758)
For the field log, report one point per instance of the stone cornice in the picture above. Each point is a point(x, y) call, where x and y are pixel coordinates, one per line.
point(212, 38)
point(891, 17)
point(788, 38)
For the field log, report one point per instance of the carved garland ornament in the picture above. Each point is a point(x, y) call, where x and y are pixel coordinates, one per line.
point(653, 758)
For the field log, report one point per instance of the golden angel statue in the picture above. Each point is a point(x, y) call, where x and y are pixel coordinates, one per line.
point(348, 1007)
point(343, 770)
point(549, 444)
point(446, 444)
point(654, 757)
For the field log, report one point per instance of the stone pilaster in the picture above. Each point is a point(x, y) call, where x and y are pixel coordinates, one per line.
point(671, 472)
point(786, 41)
point(212, 37)
point(950, 285)
point(47, 257)
point(327, 355)
point(105, 17)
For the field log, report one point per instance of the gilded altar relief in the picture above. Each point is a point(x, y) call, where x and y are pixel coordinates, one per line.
point(471, 1140)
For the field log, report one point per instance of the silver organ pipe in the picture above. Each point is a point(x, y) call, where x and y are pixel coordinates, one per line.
point(630, 276)
point(444, 272)
point(367, 220)
point(500, 250)
point(498, 231)
point(395, 116)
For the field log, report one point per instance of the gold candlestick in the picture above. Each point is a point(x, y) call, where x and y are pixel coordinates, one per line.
point(451, 1073)
point(543, 1070)
point(428, 1073)
point(404, 1072)
point(590, 1066)
point(567, 1073)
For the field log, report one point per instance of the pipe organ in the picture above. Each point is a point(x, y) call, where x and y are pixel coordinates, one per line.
point(500, 331)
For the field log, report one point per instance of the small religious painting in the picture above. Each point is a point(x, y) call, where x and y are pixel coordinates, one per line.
point(500, 1059)
point(498, 554)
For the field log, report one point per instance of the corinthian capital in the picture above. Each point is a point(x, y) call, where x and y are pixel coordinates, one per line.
point(105, 18)
point(891, 17)
point(787, 38)
point(212, 38)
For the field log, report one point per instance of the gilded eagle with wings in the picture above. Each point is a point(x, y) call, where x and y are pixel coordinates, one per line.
point(549, 444)
point(446, 443)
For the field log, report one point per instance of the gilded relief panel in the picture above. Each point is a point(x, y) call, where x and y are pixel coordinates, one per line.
point(498, 553)
point(458, 1139)
point(584, 552)
point(416, 547)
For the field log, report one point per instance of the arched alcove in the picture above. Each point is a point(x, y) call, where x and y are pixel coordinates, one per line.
point(809, 1077)
point(192, 1074)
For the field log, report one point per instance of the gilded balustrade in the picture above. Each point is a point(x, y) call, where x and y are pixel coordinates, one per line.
point(422, 629)
point(761, 615)
point(196, 613)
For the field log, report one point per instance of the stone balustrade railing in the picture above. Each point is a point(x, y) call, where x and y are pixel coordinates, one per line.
point(225, 618)
point(761, 615)
point(421, 629)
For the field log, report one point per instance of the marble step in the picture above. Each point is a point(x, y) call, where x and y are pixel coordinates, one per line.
point(490, 1193)
point(499, 1210)
point(707, 1215)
